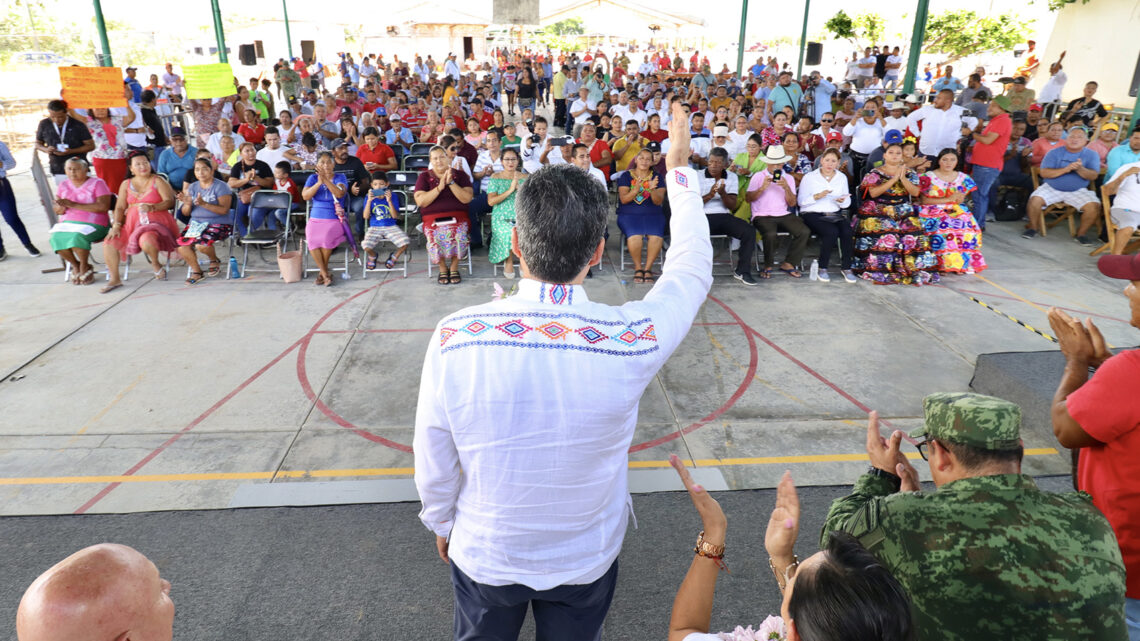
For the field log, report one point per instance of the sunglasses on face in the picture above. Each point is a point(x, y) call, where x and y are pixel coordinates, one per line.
point(453, 148)
point(827, 120)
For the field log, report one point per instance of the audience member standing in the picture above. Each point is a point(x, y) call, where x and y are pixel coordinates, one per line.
point(1101, 416)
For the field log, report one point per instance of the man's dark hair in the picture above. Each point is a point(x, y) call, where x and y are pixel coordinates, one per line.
point(560, 215)
point(57, 105)
point(849, 596)
point(719, 152)
point(147, 96)
point(576, 147)
point(538, 119)
point(973, 458)
point(975, 77)
point(455, 132)
point(371, 131)
point(272, 130)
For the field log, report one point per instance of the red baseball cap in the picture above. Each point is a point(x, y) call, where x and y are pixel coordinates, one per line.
point(1122, 267)
point(834, 135)
point(1035, 107)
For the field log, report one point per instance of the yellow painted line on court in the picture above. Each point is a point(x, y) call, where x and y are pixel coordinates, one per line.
point(1011, 293)
point(103, 412)
point(408, 471)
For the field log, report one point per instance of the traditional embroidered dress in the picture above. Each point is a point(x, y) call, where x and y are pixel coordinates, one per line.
point(528, 406)
point(891, 246)
point(954, 235)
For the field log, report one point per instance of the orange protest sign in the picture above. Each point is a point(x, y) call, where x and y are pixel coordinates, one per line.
point(88, 87)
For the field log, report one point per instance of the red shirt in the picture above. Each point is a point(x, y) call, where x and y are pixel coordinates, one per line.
point(251, 134)
point(600, 147)
point(414, 120)
point(380, 155)
point(371, 106)
point(993, 154)
point(1108, 409)
point(657, 136)
point(289, 186)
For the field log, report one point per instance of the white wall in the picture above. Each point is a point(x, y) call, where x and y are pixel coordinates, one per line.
point(1102, 42)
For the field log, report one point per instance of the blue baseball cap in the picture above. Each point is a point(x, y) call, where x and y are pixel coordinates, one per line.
point(893, 137)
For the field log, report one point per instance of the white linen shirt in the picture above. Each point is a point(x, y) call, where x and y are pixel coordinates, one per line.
point(731, 185)
point(865, 138)
point(813, 183)
point(940, 129)
point(527, 409)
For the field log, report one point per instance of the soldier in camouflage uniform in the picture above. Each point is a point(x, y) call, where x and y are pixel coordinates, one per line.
point(987, 555)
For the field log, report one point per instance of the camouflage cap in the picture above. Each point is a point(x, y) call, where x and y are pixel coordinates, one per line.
point(979, 421)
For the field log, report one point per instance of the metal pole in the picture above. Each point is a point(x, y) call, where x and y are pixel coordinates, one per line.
point(219, 33)
point(288, 37)
point(916, 39)
point(740, 44)
point(803, 41)
point(101, 27)
point(1135, 116)
point(32, 24)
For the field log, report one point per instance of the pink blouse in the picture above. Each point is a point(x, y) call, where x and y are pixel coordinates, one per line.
point(85, 194)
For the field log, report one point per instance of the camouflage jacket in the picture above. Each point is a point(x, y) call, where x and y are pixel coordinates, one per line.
point(993, 557)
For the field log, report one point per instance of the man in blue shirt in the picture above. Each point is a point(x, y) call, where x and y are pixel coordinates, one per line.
point(135, 85)
point(1067, 172)
point(948, 81)
point(1123, 154)
point(177, 160)
point(821, 91)
point(785, 93)
point(758, 68)
point(399, 138)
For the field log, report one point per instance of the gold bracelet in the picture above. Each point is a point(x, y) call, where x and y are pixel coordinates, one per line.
point(711, 551)
point(788, 571)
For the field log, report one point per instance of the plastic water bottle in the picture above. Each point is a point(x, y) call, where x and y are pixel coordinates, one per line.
point(234, 271)
point(815, 269)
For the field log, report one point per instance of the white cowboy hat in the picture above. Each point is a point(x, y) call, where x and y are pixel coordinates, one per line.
point(775, 155)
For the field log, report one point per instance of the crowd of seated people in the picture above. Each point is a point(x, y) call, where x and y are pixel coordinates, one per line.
point(965, 153)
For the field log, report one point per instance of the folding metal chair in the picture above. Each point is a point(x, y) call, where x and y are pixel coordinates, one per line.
point(645, 246)
point(398, 198)
point(271, 200)
point(304, 248)
point(416, 163)
point(420, 148)
point(470, 266)
point(404, 183)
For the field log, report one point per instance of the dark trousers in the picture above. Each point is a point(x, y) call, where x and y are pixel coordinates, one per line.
point(829, 231)
point(475, 212)
point(559, 112)
point(733, 227)
point(8, 209)
point(564, 613)
point(791, 223)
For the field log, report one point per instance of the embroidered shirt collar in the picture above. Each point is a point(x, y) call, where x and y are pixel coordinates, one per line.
point(537, 291)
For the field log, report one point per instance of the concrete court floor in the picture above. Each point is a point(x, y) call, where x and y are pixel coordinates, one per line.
point(163, 396)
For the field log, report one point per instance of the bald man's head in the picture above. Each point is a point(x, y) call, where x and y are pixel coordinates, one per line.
point(106, 592)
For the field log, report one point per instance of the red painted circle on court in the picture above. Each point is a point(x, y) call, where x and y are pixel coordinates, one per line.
point(306, 385)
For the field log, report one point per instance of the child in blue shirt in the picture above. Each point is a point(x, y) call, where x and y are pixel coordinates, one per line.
point(382, 223)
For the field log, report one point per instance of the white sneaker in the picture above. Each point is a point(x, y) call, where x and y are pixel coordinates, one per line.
point(823, 277)
point(849, 276)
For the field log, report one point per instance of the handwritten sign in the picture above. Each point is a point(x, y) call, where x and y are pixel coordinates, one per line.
point(209, 81)
point(89, 87)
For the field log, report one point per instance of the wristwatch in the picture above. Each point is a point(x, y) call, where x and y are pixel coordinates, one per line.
point(883, 474)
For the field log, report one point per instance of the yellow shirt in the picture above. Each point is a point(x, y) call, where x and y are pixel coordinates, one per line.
point(624, 151)
point(717, 103)
point(557, 84)
point(449, 94)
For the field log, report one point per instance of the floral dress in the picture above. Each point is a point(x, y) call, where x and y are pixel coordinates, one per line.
point(502, 220)
point(891, 245)
point(954, 235)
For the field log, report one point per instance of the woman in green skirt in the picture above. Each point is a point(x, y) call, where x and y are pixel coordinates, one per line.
point(501, 190)
point(82, 202)
point(746, 163)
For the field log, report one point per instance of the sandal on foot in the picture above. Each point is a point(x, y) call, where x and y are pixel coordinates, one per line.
point(110, 288)
point(650, 277)
point(214, 269)
point(371, 264)
point(391, 262)
point(455, 278)
point(444, 278)
point(87, 278)
point(793, 272)
point(639, 276)
point(766, 273)
point(160, 274)
point(194, 277)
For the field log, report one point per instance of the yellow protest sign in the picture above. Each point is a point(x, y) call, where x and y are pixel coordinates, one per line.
point(209, 81)
point(89, 87)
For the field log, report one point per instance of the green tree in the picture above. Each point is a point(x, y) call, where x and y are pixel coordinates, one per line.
point(1057, 5)
point(958, 33)
point(567, 27)
point(862, 30)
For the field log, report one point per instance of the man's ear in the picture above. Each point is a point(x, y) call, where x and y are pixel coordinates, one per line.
point(599, 252)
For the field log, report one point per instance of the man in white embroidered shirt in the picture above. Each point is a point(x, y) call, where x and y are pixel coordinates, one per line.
point(522, 470)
